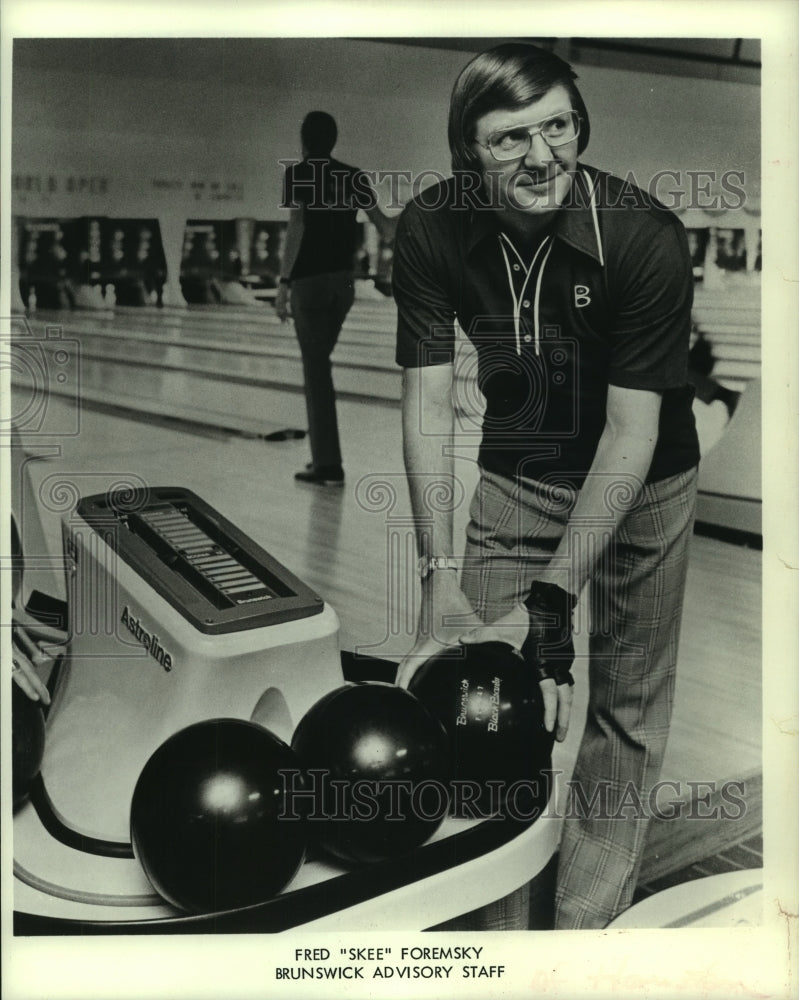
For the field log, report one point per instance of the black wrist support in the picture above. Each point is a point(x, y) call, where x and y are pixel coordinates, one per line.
point(549, 648)
point(549, 597)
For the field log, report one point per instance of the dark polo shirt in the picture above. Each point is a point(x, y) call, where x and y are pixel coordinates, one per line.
point(604, 297)
point(330, 194)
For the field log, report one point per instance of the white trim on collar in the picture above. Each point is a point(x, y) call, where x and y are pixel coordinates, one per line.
point(592, 196)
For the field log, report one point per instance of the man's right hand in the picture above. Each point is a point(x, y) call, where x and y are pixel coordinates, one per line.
point(282, 305)
point(446, 614)
point(28, 655)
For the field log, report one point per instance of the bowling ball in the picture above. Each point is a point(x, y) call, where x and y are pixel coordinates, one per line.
point(490, 704)
point(27, 737)
point(378, 765)
point(206, 818)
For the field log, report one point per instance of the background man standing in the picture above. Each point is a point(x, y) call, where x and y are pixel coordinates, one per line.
point(316, 282)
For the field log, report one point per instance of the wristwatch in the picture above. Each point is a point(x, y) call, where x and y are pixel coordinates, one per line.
point(428, 566)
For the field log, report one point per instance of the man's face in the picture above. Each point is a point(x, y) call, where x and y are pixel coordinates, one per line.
point(536, 183)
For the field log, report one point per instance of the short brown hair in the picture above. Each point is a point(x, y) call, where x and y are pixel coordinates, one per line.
point(509, 76)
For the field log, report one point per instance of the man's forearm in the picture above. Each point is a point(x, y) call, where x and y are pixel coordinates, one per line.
point(613, 484)
point(610, 489)
point(291, 246)
point(427, 424)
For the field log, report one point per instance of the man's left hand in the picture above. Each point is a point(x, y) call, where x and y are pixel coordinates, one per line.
point(541, 630)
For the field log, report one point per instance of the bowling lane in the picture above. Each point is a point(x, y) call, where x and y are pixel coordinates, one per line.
point(202, 366)
point(220, 352)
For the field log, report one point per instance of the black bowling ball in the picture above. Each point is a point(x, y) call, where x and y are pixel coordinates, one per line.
point(209, 823)
point(378, 765)
point(27, 732)
point(490, 704)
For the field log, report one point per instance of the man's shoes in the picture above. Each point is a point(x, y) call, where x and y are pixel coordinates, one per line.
point(325, 475)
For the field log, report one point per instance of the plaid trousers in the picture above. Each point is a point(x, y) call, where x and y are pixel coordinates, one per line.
point(635, 599)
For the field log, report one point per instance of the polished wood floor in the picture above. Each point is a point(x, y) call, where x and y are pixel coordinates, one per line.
point(147, 373)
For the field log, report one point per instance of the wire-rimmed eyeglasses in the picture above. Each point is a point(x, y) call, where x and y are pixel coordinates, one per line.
point(510, 143)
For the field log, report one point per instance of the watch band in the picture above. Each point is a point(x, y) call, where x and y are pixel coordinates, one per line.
point(428, 566)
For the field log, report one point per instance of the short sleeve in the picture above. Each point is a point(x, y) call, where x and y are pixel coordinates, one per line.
point(651, 325)
point(322, 185)
point(425, 311)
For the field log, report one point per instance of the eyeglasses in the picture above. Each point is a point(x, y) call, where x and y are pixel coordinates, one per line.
point(510, 143)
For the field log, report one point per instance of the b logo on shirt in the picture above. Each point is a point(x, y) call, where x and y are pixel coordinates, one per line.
point(582, 296)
